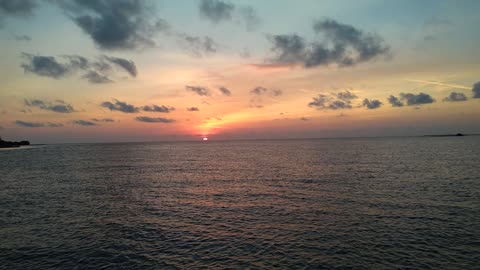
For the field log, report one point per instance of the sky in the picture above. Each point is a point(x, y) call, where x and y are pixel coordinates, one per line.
point(126, 70)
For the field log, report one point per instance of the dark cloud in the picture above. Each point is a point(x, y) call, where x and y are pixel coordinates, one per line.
point(455, 97)
point(304, 119)
point(20, 8)
point(198, 46)
point(258, 90)
point(116, 24)
point(120, 106)
point(216, 10)
point(417, 99)
point(46, 66)
point(342, 44)
point(105, 120)
point(37, 124)
point(395, 101)
point(96, 78)
point(372, 104)
point(127, 65)
point(225, 91)
point(336, 101)
point(156, 108)
point(95, 71)
point(346, 95)
point(201, 91)
point(154, 119)
point(476, 90)
point(193, 109)
point(83, 123)
point(58, 106)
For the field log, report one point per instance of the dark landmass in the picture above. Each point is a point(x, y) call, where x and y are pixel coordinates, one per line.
point(447, 135)
point(7, 144)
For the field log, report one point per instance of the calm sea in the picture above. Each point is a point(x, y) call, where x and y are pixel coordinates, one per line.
point(392, 203)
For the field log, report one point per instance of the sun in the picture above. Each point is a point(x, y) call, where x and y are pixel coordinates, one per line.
point(205, 139)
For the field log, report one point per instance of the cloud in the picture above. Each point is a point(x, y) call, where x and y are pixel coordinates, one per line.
point(105, 120)
point(417, 99)
point(19, 8)
point(96, 78)
point(225, 91)
point(258, 90)
point(193, 109)
point(342, 44)
point(372, 104)
point(95, 71)
point(120, 106)
point(156, 108)
point(395, 101)
point(218, 11)
point(277, 92)
point(58, 106)
point(455, 97)
point(37, 124)
point(336, 101)
point(201, 91)
point(22, 38)
point(45, 66)
point(476, 90)
point(305, 119)
point(127, 65)
point(198, 46)
point(154, 119)
point(116, 25)
point(83, 123)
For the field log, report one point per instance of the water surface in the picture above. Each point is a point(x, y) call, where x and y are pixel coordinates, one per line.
point(392, 203)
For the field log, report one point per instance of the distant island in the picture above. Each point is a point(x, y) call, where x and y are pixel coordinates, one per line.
point(446, 135)
point(7, 144)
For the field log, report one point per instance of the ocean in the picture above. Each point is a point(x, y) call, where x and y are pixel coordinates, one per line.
point(365, 203)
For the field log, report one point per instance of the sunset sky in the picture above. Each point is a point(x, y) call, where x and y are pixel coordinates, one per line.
point(110, 71)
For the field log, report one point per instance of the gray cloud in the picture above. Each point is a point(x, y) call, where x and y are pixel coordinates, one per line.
point(120, 106)
point(455, 97)
point(217, 11)
point(127, 65)
point(37, 124)
point(336, 101)
point(476, 90)
point(395, 101)
point(58, 106)
point(19, 8)
point(201, 91)
point(116, 25)
point(156, 108)
point(96, 78)
point(258, 90)
point(154, 119)
point(304, 119)
point(45, 66)
point(22, 38)
point(277, 92)
point(198, 46)
point(372, 104)
point(83, 123)
point(193, 109)
point(105, 120)
point(225, 91)
point(95, 71)
point(342, 44)
point(417, 99)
